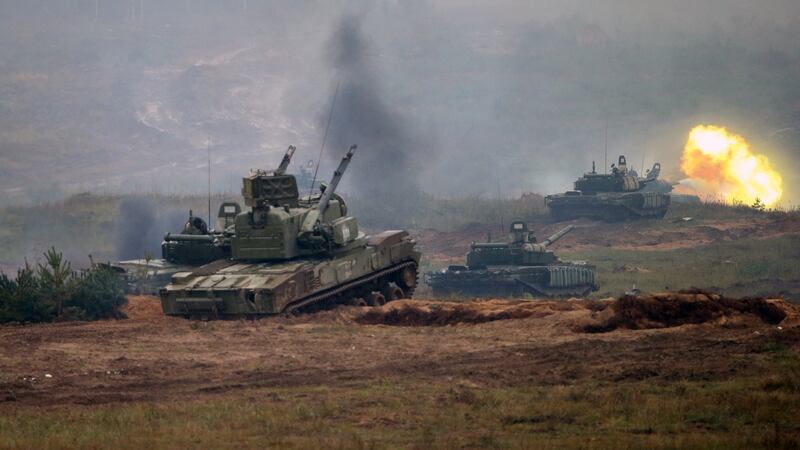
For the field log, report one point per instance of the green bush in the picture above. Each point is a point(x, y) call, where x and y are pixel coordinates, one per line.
point(55, 292)
point(98, 293)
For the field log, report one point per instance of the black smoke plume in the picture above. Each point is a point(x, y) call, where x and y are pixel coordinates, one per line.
point(385, 171)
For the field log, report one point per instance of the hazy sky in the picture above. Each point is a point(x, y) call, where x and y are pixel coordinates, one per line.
point(444, 96)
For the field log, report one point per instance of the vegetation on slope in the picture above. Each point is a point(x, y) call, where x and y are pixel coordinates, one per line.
point(53, 291)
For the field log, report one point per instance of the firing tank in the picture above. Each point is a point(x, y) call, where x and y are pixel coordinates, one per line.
point(515, 268)
point(292, 254)
point(617, 196)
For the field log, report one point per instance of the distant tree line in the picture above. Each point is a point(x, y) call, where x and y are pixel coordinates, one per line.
point(52, 291)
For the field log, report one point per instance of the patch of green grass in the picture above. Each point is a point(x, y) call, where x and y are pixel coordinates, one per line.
point(757, 411)
point(719, 210)
point(736, 267)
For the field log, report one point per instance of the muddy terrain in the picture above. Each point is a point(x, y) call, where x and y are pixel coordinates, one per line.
point(495, 343)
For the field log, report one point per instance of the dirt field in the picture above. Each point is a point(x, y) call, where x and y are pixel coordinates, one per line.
point(155, 358)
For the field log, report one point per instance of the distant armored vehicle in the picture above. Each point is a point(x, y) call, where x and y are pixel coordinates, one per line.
point(612, 197)
point(292, 253)
point(515, 268)
point(194, 246)
point(305, 177)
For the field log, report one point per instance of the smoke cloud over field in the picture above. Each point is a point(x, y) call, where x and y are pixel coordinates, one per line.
point(389, 160)
point(445, 97)
point(140, 226)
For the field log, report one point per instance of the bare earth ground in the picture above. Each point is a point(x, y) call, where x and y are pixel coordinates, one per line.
point(149, 357)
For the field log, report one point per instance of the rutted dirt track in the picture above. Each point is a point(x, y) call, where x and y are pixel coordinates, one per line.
point(151, 357)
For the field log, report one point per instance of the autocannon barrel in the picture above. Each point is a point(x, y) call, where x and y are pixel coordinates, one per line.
point(337, 176)
point(287, 158)
point(558, 235)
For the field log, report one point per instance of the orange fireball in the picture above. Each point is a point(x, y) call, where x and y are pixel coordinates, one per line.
point(721, 164)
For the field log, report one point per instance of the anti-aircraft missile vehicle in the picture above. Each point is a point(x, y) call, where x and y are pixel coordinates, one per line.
point(515, 268)
point(292, 253)
point(617, 196)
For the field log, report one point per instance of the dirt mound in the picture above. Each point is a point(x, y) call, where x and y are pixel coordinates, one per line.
point(671, 309)
point(143, 307)
point(419, 313)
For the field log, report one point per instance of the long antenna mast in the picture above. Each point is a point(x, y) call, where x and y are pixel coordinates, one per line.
point(324, 138)
point(605, 155)
point(208, 150)
point(643, 162)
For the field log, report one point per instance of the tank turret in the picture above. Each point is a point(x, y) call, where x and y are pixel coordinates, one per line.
point(521, 250)
point(197, 244)
point(619, 180)
point(281, 226)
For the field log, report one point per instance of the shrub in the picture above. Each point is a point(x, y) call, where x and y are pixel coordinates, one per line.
point(55, 292)
point(98, 293)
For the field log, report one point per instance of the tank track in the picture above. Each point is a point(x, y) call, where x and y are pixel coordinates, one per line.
point(321, 297)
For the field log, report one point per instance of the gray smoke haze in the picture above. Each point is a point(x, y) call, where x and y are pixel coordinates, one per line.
point(448, 97)
point(389, 160)
point(140, 226)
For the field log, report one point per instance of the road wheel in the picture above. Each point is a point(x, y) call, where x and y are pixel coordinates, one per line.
point(392, 292)
point(407, 279)
point(357, 301)
point(376, 299)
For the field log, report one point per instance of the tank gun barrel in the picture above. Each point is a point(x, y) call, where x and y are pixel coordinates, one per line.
point(287, 158)
point(337, 176)
point(558, 235)
point(169, 237)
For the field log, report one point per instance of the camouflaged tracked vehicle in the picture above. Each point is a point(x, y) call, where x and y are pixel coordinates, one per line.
point(292, 253)
point(515, 268)
point(194, 246)
point(612, 197)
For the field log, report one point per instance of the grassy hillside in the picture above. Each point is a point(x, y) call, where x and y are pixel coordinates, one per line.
point(739, 268)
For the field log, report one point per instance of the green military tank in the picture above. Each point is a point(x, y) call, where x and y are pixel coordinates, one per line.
point(194, 246)
point(292, 253)
point(515, 268)
point(617, 196)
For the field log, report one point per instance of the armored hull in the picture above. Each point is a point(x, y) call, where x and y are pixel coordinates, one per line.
point(609, 206)
point(382, 270)
point(564, 280)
